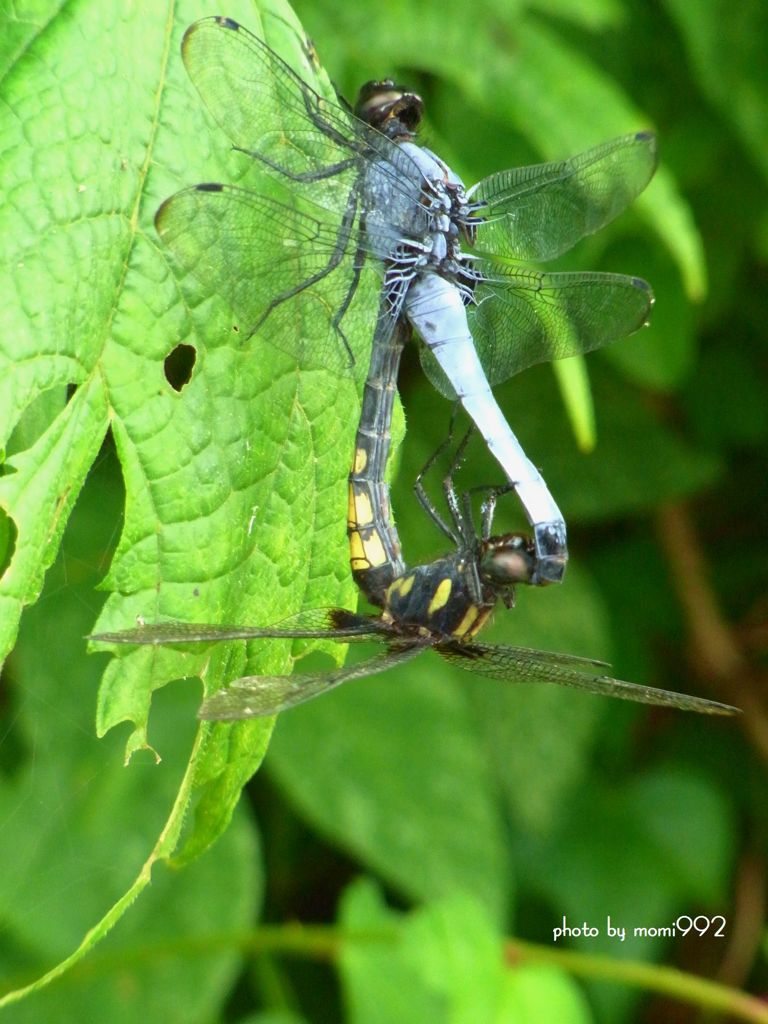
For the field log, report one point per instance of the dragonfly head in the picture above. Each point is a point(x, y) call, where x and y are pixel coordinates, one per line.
point(389, 108)
point(506, 560)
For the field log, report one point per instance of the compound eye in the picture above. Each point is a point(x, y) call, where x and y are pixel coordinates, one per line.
point(508, 560)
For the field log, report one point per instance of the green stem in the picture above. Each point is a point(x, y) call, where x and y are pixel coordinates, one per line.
point(668, 981)
point(325, 942)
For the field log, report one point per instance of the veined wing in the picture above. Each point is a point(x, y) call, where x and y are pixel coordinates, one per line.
point(519, 665)
point(556, 658)
point(312, 623)
point(267, 259)
point(274, 116)
point(539, 212)
point(527, 317)
point(259, 696)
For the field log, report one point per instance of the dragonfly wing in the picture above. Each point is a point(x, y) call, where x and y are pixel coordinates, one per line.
point(313, 623)
point(520, 665)
point(556, 658)
point(259, 696)
point(266, 109)
point(273, 115)
point(539, 212)
point(526, 317)
point(253, 250)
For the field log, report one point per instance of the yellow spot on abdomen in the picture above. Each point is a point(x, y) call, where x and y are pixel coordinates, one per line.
point(365, 552)
point(356, 554)
point(440, 598)
point(374, 550)
point(467, 622)
point(359, 509)
point(361, 460)
point(363, 509)
point(351, 519)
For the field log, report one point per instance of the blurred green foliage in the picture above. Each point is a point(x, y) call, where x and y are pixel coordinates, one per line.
point(482, 810)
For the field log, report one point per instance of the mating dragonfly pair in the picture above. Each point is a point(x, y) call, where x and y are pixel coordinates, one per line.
point(362, 195)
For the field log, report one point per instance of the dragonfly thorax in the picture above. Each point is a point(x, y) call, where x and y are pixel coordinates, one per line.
point(440, 598)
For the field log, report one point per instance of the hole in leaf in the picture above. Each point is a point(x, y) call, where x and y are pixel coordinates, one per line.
point(179, 365)
point(8, 535)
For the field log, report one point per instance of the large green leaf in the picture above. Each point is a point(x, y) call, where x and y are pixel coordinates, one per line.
point(234, 477)
point(391, 769)
point(80, 829)
point(447, 967)
point(726, 50)
point(660, 869)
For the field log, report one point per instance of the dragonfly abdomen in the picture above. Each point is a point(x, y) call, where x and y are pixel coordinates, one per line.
point(436, 309)
point(374, 545)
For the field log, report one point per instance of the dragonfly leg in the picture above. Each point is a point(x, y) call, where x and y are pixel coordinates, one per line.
point(421, 492)
point(460, 509)
point(319, 175)
point(488, 507)
point(357, 269)
point(336, 257)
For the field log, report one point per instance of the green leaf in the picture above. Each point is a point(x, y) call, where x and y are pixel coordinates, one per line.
point(234, 478)
point(380, 984)
point(81, 829)
point(543, 995)
point(572, 376)
point(662, 867)
point(609, 481)
point(399, 779)
point(726, 47)
point(447, 966)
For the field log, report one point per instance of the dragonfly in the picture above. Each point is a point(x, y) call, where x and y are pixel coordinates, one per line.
point(439, 606)
point(348, 192)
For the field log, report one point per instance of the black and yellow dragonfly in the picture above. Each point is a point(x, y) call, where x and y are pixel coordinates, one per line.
point(439, 606)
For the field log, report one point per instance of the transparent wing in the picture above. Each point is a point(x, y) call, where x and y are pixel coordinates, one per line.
point(271, 114)
point(258, 696)
point(539, 212)
point(556, 658)
point(520, 665)
point(526, 317)
point(313, 623)
point(274, 264)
